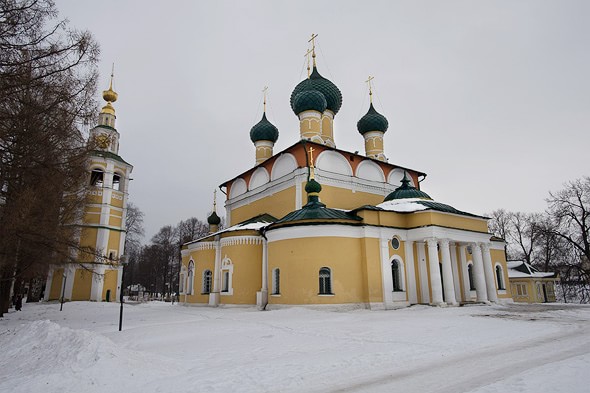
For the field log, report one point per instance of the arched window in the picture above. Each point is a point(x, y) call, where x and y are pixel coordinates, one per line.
point(97, 178)
point(207, 279)
point(396, 275)
point(470, 275)
point(325, 281)
point(191, 278)
point(500, 277)
point(117, 182)
point(276, 281)
point(225, 281)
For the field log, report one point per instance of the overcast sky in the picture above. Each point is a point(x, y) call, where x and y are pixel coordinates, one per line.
point(490, 98)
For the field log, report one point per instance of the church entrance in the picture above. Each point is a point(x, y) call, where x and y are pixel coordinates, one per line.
point(108, 297)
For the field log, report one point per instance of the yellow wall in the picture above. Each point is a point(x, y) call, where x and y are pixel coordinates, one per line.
point(300, 260)
point(114, 239)
point(82, 285)
point(420, 219)
point(247, 273)
point(341, 198)
point(204, 260)
point(110, 283)
point(277, 205)
point(115, 221)
point(56, 284)
point(371, 268)
point(117, 202)
point(88, 238)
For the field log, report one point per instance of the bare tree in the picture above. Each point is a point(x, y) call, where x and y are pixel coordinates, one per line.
point(47, 87)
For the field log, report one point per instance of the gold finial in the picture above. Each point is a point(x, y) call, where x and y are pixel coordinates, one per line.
point(312, 40)
point(214, 200)
point(309, 51)
point(264, 92)
point(311, 167)
point(368, 81)
point(110, 95)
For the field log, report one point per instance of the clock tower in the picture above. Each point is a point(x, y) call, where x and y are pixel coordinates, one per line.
point(96, 270)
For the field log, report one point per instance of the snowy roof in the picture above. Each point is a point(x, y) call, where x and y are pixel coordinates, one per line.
point(255, 223)
point(521, 269)
point(410, 205)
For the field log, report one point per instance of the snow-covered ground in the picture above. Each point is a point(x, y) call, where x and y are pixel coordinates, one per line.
point(171, 348)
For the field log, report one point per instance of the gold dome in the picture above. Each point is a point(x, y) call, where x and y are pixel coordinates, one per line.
point(110, 95)
point(108, 108)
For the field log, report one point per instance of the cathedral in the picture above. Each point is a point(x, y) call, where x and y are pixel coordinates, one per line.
point(316, 225)
point(95, 272)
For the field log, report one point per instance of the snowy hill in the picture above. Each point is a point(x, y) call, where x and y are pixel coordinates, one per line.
point(165, 348)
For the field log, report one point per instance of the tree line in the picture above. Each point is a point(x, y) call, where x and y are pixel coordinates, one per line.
point(556, 240)
point(156, 266)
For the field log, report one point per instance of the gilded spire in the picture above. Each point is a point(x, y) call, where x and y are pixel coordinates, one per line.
point(312, 40)
point(368, 81)
point(110, 96)
point(309, 51)
point(215, 200)
point(311, 167)
point(264, 92)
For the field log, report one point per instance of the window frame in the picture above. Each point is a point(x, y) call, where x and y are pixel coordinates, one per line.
point(276, 281)
point(325, 281)
point(207, 282)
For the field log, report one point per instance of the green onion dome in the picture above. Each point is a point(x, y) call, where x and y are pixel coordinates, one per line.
point(313, 186)
point(214, 219)
point(406, 191)
point(309, 100)
point(264, 130)
point(317, 82)
point(372, 121)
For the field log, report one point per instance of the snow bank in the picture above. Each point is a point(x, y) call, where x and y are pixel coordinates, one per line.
point(41, 354)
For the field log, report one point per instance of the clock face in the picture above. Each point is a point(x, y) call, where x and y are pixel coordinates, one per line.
point(103, 141)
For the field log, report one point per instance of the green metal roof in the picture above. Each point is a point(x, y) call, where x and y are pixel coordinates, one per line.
point(108, 154)
point(406, 191)
point(309, 100)
point(315, 210)
point(372, 121)
point(264, 130)
point(317, 82)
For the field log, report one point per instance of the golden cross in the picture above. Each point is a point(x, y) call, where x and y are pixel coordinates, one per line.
point(368, 81)
point(264, 91)
point(311, 150)
point(312, 40)
point(309, 51)
point(112, 76)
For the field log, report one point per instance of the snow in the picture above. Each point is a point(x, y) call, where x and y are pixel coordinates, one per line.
point(403, 205)
point(166, 347)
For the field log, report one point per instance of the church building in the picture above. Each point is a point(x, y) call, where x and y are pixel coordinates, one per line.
point(95, 272)
point(316, 225)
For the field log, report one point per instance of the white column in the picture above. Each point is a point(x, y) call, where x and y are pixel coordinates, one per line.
point(410, 272)
point(69, 273)
point(435, 283)
point(423, 270)
point(119, 282)
point(214, 296)
point(489, 273)
point(465, 271)
point(48, 284)
point(480, 281)
point(263, 301)
point(447, 271)
point(456, 282)
point(97, 284)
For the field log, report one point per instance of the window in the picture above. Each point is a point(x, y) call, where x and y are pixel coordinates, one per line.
point(97, 178)
point(191, 278)
point(395, 243)
point(207, 279)
point(325, 281)
point(276, 281)
point(396, 275)
point(470, 274)
point(225, 283)
point(500, 277)
point(116, 182)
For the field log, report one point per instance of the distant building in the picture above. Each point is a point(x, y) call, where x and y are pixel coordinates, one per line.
point(316, 225)
point(96, 273)
point(529, 285)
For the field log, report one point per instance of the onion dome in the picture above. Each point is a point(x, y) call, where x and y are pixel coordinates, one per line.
point(313, 186)
point(264, 130)
point(213, 219)
point(372, 121)
point(406, 191)
point(317, 82)
point(309, 100)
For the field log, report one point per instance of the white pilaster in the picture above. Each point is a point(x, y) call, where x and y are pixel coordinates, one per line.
point(214, 296)
point(465, 271)
point(410, 272)
point(423, 271)
point(69, 273)
point(489, 273)
point(97, 284)
point(455, 267)
point(480, 281)
point(48, 283)
point(433, 262)
point(262, 302)
point(447, 271)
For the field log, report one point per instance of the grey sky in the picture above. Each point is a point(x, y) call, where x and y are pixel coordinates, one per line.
point(490, 98)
